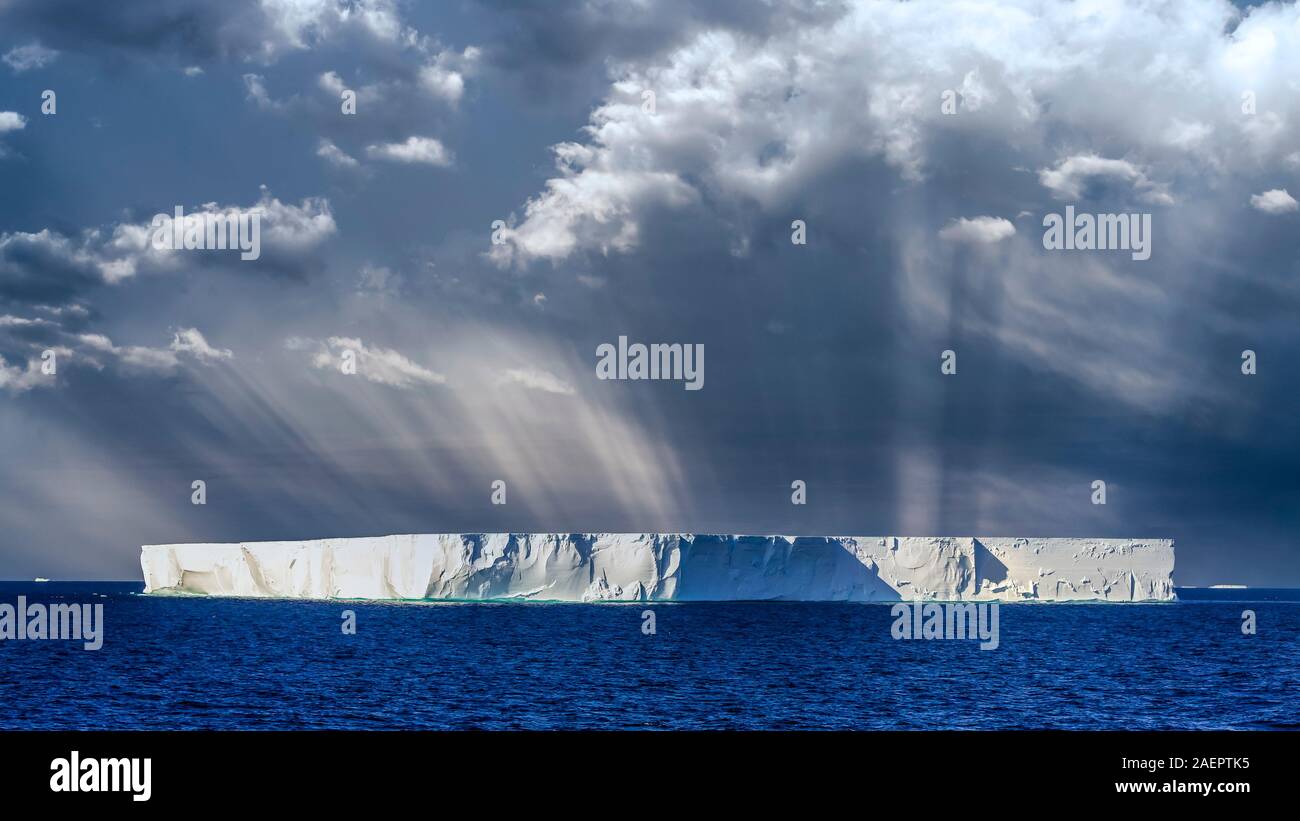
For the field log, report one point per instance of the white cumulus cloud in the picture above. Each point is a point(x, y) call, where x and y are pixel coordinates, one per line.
point(1276, 201)
point(11, 121)
point(425, 150)
point(977, 229)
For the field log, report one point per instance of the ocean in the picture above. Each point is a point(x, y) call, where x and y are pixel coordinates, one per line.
point(201, 663)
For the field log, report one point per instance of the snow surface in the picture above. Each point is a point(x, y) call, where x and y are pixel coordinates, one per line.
point(583, 567)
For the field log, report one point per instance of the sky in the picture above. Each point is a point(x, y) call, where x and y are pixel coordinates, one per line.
point(920, 144)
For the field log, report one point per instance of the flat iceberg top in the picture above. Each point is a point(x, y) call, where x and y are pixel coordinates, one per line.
point(583, 567)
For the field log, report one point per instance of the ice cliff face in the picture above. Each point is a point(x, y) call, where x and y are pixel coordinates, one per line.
point(669, 567)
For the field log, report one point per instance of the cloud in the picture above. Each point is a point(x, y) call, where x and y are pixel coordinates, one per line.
point(393, 87)
point(384, 366)
point(444, 75)
point(11, 321)
point(553, 44)
point(52, 268)
point(978, 229)
point(255, 85)
point(588, 207)
point(301, 24)
point(1068, 179)
point(538, 380)
point(335, 156)
point(74, 349)
point(25, 58)
point(286, 230)
point(11, 121)
point(330, 81)
point(293, 227)
point(45, 267)
point(379, 279)
point(190, 341)
point(186, 342)
point(743, 120)
point(19, 378)
point(1276, 201)
point(424, 150)
point(197, 31)
point(132, 357)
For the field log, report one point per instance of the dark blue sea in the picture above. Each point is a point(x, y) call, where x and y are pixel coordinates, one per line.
point(251, 664)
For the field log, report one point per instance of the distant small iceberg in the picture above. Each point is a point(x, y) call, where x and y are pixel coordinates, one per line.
point(39, 579)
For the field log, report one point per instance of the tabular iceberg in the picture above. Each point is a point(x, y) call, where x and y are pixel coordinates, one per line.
point(584, 567)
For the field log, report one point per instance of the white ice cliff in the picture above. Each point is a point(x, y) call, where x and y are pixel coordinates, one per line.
point(669, 567)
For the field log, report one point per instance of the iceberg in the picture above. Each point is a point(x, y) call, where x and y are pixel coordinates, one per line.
point(594, 567)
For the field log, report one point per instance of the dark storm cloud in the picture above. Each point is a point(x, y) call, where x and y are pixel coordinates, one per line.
point(189, 31)
point(48, 267)
point(1077, 368)
point(822, 360)
point(43, 268)
point(196, 32)
point(575, 35)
